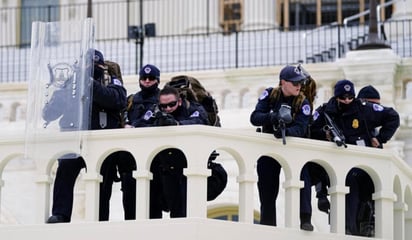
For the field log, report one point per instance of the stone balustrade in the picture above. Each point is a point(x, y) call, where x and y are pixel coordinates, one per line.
point(392, 177)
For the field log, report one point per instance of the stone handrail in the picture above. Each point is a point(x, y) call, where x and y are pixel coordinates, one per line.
point(392, 177)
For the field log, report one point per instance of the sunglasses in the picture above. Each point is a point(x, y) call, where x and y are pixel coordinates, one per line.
point(165, 105)
point(151, 78)
point(297, 83)
point(346, 97)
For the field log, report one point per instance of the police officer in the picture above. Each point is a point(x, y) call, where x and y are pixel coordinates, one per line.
point(108, 101)
point(370, 94)
point(144, 102)
point(168, 187)
point(357, 120)
point(269, 115)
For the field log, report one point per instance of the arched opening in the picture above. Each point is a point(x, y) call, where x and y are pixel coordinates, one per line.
point(360, 208)
point(118, 167)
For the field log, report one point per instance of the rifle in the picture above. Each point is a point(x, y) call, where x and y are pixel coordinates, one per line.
point(162, 118)
point(337, 135)
point(282, 127)
point(284, 117)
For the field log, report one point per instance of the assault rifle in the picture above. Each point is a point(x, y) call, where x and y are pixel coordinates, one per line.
point(282, 127)
point(337, 135)
point(162, 118)
point(284, 117)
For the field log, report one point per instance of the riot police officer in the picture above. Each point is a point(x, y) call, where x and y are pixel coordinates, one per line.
point(269, 113)
point(168, 187)
point(357, 120)
point(144, 102)
point(107, 102)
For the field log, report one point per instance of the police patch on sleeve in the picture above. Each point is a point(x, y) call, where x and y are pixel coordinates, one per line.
point(195, 114)
point(117, 82)
point(264, 95)
point(377, 107)
point(148, 115)
point(315, 115)
point(306, 109)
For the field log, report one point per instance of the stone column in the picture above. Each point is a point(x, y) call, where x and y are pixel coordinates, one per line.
point(92, 188)
point(246, 186)
point(292, 202)
point(143, 178)
point(43, 198)
point(337, 208)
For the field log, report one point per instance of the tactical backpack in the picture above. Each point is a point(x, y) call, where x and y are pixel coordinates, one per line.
point(192, 90)
point(216, 182)
point(113, 70)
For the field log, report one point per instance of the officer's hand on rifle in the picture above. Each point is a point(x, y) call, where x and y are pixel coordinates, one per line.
point(278, 133)
point(328, 135)
point(285, 114)
point(274, 117)
point(165, 119)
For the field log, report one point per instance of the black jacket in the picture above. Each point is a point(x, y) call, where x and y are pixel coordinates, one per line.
point(357, 121)
point(110, 100)
point(261, 115)
point(143, 107)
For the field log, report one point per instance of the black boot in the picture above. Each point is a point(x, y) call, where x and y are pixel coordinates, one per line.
point(323, 204)
point(321, 195)
point(305, 223)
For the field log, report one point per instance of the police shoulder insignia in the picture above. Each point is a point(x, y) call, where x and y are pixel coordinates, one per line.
point(148, 115)
point(264, 95)
point(195, 114)
point(117, 82)
point(306, 109)
point(315, 115)
point(377, 107)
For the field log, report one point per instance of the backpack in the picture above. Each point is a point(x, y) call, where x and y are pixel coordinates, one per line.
point(192, 90)
point(113, 70)
point(217, 181)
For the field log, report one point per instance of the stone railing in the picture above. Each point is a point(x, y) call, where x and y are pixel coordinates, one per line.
point(392, 177)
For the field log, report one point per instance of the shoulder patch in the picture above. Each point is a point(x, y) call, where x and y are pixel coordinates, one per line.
point(195, 114)
point(377, 107)
point(315, 115)
point(117, 82)
point(264, 95)
point(148, 115)
point(306, 109)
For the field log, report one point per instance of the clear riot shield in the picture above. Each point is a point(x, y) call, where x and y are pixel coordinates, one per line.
point(59, 93)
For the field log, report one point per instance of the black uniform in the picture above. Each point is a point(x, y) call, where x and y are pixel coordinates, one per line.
point(143, 107)
point(108, 101)
point(168, 187)
point(268, 169)
point(357, 121)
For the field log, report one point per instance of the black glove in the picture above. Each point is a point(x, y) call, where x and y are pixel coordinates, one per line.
point(170, 121)
point(285, 113)
point(274, 118)
point(166, 120)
